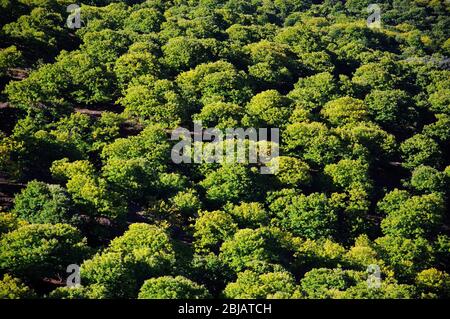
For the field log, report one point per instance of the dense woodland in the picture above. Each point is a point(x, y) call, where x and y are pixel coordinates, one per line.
point(86, 175)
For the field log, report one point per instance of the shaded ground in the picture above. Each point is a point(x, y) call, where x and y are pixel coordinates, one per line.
point(8, 189)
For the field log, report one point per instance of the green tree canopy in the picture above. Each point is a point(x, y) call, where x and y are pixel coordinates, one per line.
point(41, 249)
point(14, 288)
point(43, 203)
point(168, 287)
point(251, 285)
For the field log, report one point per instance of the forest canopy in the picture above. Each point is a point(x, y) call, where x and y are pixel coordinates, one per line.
point(87, 179)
